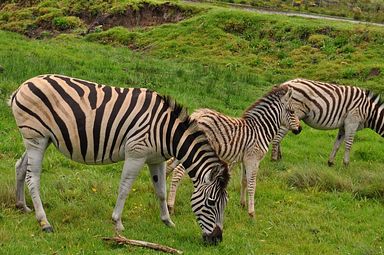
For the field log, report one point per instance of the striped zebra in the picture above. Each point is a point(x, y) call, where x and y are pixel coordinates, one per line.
point(97, 124)
point(244, 139)
point(329, 106)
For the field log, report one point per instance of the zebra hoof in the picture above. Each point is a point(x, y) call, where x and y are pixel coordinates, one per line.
point(330, 163)
point(169, 223)
point(251, 215)
point(23, 208)
point(48, 229)
point(171, 209)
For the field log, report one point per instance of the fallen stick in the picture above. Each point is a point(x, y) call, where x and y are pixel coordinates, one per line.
point(123, 240)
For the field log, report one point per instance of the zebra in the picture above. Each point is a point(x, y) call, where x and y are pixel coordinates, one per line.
point(328, 106)
point(97, 124)
point(244, 139)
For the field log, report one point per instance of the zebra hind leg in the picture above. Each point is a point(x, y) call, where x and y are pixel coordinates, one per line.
point(243, 186)
point(35, 152)
point(336, 146)
point(21, 171)
point(350, 131)
point(159, 182)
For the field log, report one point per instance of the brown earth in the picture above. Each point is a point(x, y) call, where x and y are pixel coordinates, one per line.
point(146, 15)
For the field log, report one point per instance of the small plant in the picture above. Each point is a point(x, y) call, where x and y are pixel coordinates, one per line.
point(64, 23)
point(317, 40)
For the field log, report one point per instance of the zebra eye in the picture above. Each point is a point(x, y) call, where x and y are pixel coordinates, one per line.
point(211, 202)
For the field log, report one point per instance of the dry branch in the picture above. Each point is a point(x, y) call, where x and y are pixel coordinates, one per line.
point(123, 240)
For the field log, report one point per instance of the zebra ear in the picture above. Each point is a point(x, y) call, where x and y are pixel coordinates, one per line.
point(208, 177)
point(223, 176)
point(288, 95)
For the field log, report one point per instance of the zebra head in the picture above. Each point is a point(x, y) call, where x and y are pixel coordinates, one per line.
point(208, 201)
point(289, 118)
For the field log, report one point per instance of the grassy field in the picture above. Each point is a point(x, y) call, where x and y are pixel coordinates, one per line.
point(224, 60)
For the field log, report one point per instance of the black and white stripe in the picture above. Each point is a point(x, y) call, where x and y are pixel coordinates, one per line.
point(328, 106)
point(97, 124)
point(244, 139)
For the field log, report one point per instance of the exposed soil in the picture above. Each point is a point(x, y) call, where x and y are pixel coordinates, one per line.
point(374, 72)
point(147, 15)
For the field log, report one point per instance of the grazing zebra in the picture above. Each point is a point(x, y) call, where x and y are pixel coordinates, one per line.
point(328, 106)
point(97, 124)
point(244, 139)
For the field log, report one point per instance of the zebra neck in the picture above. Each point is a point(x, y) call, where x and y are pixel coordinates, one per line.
point(193, 151)
point(376, 119)
point(265, 121)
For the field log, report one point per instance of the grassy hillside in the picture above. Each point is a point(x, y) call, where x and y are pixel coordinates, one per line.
point(224, 60)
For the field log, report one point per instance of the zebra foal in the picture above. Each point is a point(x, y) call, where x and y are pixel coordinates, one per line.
point(244, 139)
point(328, 106)
point(96, 124)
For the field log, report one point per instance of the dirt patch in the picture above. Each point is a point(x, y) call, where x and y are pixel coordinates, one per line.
point(144, 16)
point(374, 72)
point(147, 15)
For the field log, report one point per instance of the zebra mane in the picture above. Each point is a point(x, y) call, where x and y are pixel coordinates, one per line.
point(181, 113)
point(178, 110)
point(375, 97)
point(275, 91)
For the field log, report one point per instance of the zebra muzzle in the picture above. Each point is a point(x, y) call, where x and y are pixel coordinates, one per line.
point(297, 131)
point(215, 237)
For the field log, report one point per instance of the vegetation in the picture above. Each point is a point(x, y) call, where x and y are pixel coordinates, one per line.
point(220, 59)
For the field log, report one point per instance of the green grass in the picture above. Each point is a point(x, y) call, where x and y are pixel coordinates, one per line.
point(302, 206)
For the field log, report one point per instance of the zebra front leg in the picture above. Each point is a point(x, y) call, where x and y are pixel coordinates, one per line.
point(276, 147)
point(130, 171)
point(171, 165)
point(35, 152)
point(158, 180)
point(21, 171)
point(251, 168)
point(336, 146)
point(177, 175)
point(243, 187)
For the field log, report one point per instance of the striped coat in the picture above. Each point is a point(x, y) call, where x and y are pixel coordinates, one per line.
point(244, 139)
point(328, 106)
point(98, 124)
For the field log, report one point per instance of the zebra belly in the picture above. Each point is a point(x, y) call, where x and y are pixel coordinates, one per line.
point(90, 159)
point(314, 123)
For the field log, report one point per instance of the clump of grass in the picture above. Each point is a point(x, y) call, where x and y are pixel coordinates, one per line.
point(68, 22)
point(7, 194)
point(369, 185)
point(317, 40)
point(362, 184)
point(321, 180)
point(116, 35)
